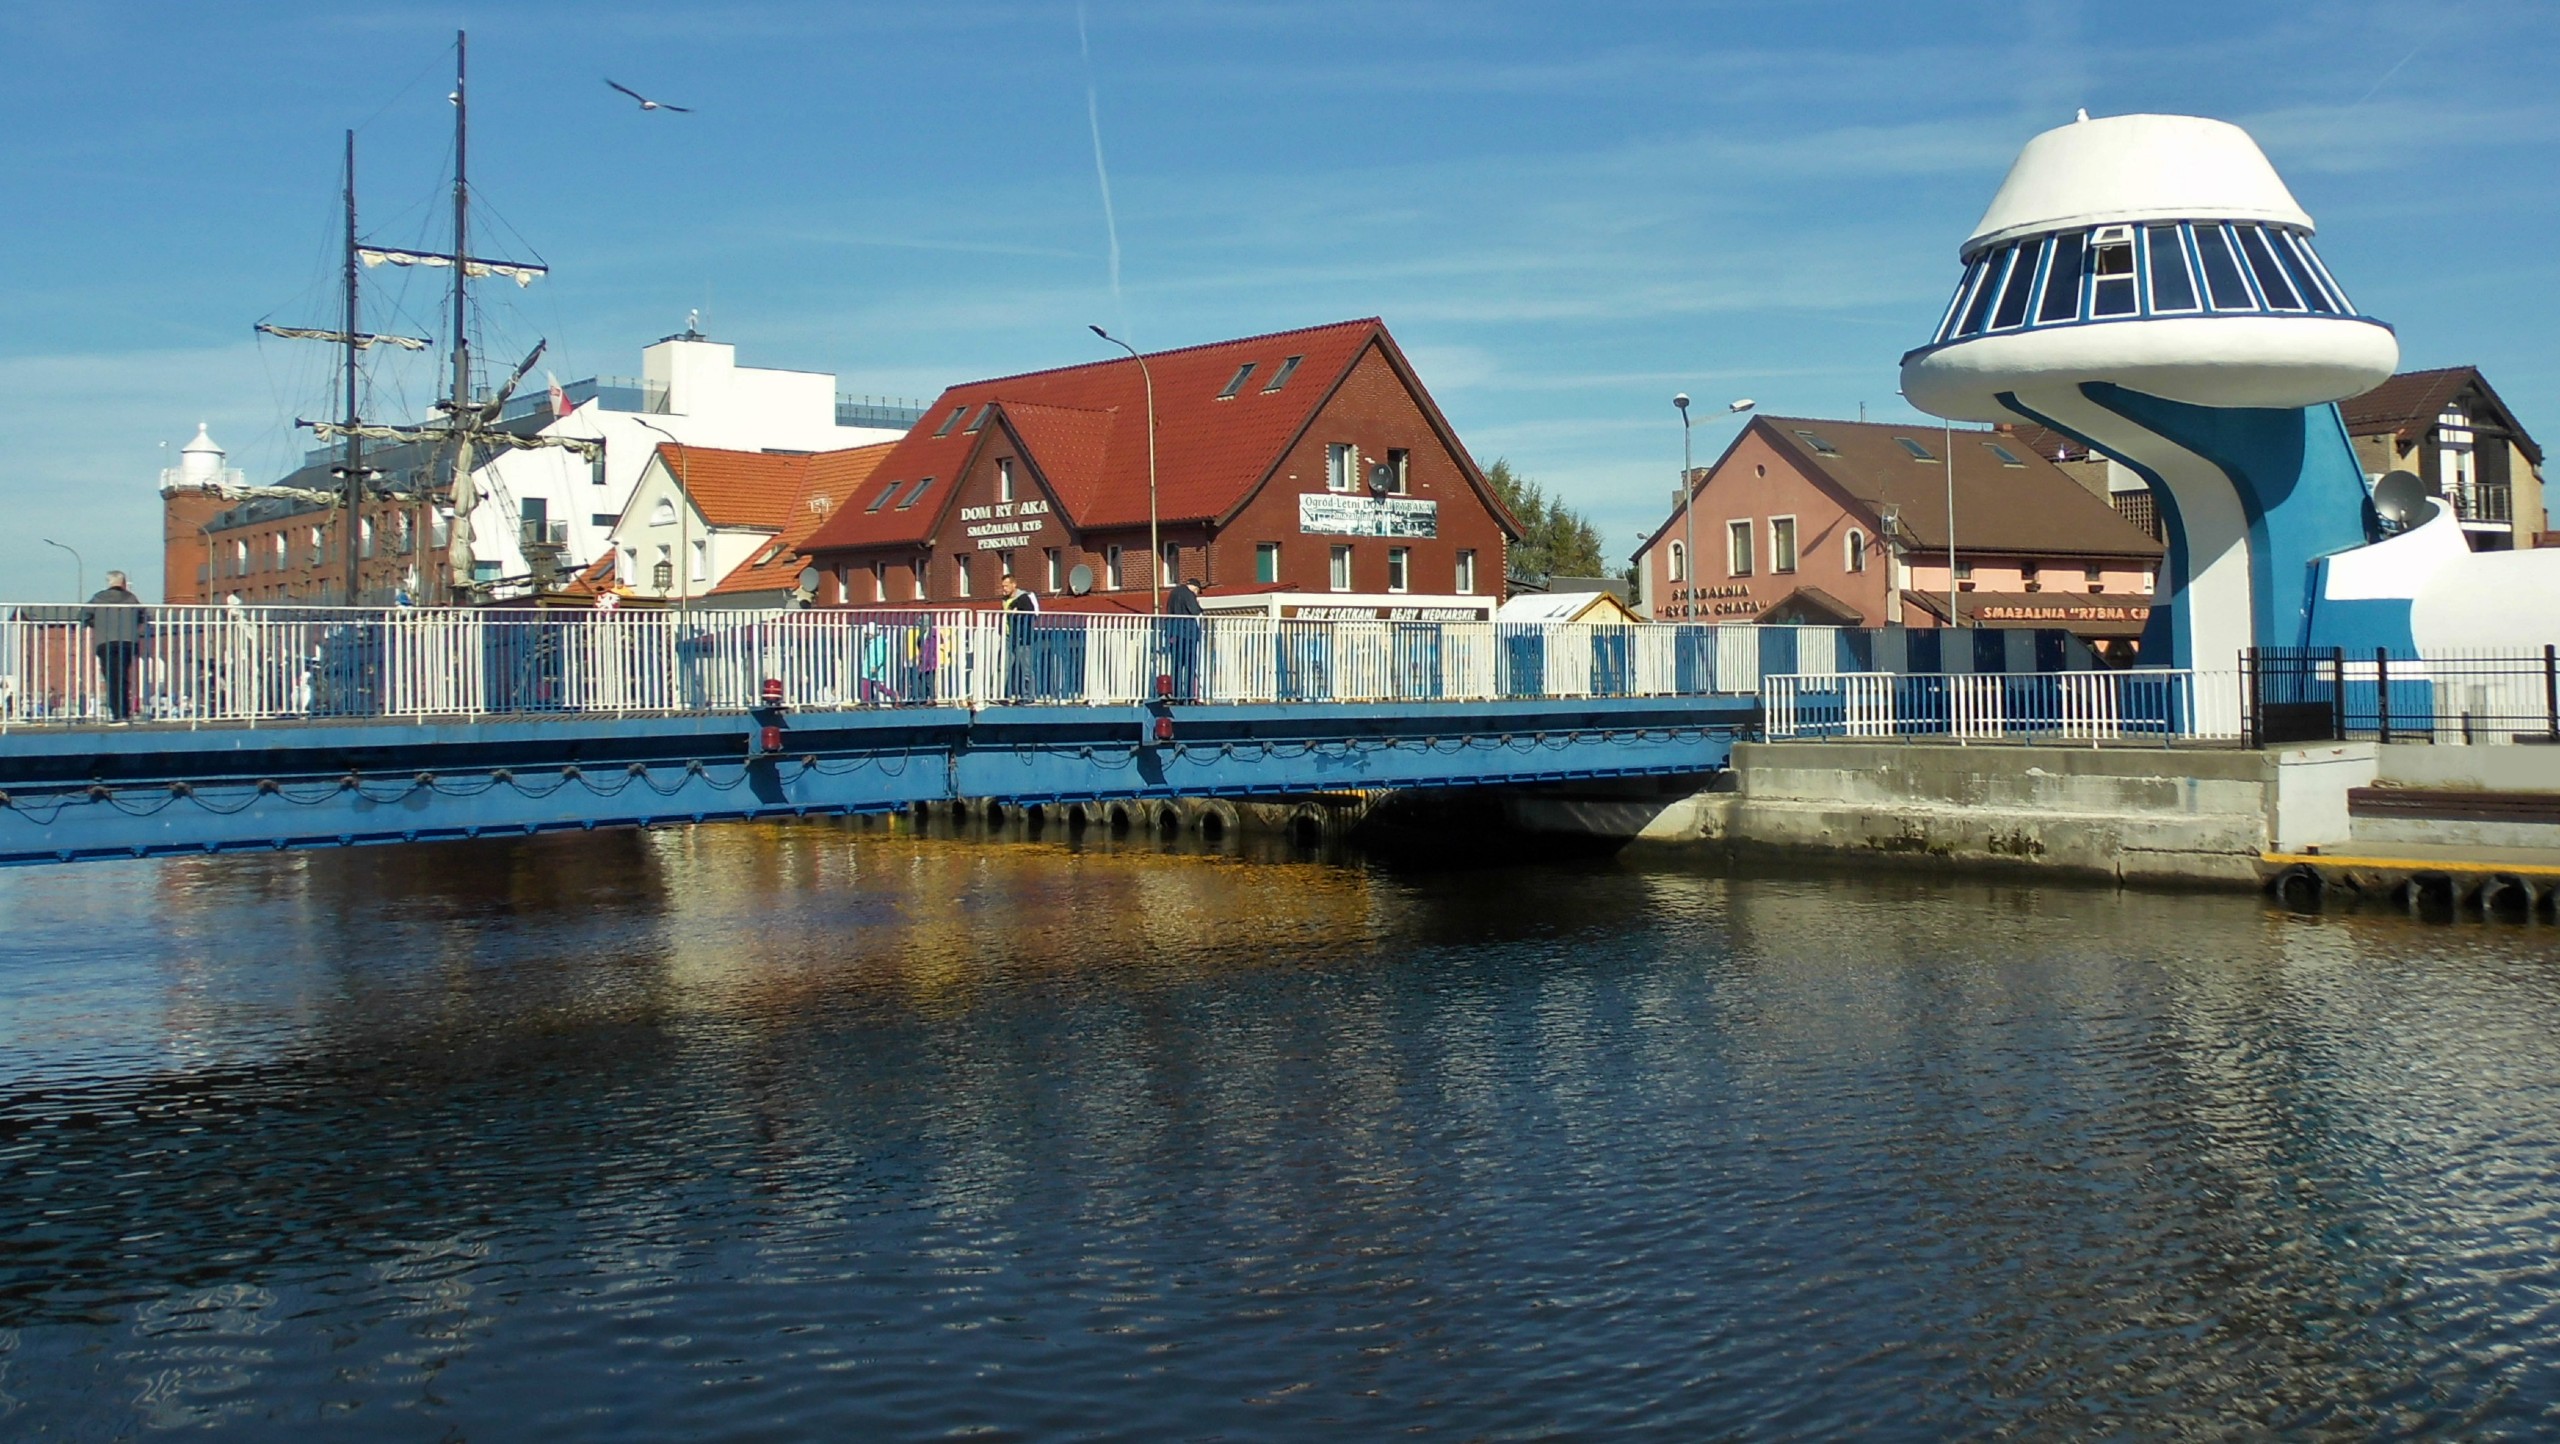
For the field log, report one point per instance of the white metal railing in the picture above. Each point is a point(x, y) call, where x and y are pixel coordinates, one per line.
point(256, 664)
point(2154, 704)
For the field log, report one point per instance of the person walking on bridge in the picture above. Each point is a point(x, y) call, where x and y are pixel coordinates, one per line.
point(116, 622)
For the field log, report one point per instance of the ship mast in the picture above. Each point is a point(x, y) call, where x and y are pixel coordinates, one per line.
point(353, 466)
point(460, 491)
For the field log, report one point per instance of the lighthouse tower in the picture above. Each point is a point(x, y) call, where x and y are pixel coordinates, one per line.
point(2146, 285)
point(192, 494)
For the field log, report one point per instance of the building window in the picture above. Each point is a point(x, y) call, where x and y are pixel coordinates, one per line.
point(1399, 567)
point(882, 499)
point(1004, 480)
point(1056, 570)
point(364, 536)
point(1341, 575)
point(1466, 573)
point(1820, 446)
point(1172, 564)
point(1856, 548)
point(879, 581)
point(701, 567)
point(1112, 578)
point(595, 468)
point(915, 494)
point(1964, 576)
point(1738, 548)
point(921, 589)
point(1399, 471)
point(1280, 378)
point(240, 558)
point(960, 576)
point(1918, 452)
point(1341, 467)
point(1266, 561)
point(280, 548)
point(1236, 382)
point(1782, 544)
point(2027, 577)
point(2095, 578)
point(1679, 562)
point(978, 423)
point(951, 421)
point(2111, 272)
point(663, 514)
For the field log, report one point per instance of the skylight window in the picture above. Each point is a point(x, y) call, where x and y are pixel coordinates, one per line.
point(1280, 378)
point(1918, 452)
point(1236, 382)
point(913, 493)
point(979, 422)
point(882, 499)
point(951, 421)
point(1818, 444)
point(2007, 457)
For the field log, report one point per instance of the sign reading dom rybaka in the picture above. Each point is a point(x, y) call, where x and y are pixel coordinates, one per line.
point(1327, 513)
point(1005, 525)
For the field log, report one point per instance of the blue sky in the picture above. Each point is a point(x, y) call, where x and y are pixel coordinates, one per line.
point(1565, 212)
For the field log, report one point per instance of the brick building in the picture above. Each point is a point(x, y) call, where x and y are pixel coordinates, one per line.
point(1308, 469)
point(1846, 523)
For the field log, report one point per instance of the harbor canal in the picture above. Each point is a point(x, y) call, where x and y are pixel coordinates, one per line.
point(843, 1131)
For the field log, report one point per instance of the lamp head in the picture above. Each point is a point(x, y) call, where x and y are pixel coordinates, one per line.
point(1745, 404)
point(1682, 401)
point(1098, 331)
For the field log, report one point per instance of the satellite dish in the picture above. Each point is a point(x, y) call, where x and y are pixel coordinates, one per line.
point(809, 580)
point(2400, 498)
point(1382, 478)
point(1080, 580)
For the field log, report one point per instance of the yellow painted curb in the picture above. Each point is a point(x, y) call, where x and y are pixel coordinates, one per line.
point(2402, 864)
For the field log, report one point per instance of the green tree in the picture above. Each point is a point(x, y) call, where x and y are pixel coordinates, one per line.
point(1555, 540)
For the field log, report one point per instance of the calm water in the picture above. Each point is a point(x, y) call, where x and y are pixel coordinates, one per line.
point(809, 1133)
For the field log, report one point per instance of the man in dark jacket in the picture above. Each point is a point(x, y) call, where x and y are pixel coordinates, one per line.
point(116, 622)
point(1182, 638)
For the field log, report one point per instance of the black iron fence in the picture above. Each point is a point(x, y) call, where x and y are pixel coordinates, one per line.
point(2323, 694)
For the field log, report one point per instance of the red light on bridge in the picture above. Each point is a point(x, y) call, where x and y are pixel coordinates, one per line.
point(772, 740)
point(1164, 729)
point(773, 691)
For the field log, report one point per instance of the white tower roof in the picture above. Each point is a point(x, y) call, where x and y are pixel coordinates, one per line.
point(2135, 168)
point(204, 442)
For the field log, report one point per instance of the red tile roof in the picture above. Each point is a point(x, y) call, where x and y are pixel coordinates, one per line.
point(737, 488)
point(1083, 430)
point(820, 488)
point(2408, 404)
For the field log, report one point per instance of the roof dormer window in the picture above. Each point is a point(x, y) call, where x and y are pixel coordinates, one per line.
point(1236, 382)
point(914, 494)
point(1819, 445)
point(882, 499)
point(951, 421)
point(1918, 452)
point(978, 423)
point(1280, 378)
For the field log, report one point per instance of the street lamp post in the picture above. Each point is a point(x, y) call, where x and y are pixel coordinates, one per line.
point(1155, 541)
point(79, 570)
point(684, 522)
point(1688, 495)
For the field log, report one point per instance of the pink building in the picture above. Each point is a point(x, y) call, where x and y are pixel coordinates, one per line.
point(1845, 523)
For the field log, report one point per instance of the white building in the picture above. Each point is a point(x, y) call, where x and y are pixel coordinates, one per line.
point(690, 390)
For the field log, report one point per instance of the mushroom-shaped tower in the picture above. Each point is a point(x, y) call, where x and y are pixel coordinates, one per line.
point(2146, 284)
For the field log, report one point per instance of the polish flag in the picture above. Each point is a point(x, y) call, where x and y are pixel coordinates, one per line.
point(559, 399)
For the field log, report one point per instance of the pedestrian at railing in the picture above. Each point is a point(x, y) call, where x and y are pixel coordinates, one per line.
point(116, 622)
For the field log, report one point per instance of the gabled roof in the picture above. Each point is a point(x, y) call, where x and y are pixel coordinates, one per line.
point(2409, 403)
point(1084, 430)
point(2033, 508)
point(826, 481)
point(750, 489)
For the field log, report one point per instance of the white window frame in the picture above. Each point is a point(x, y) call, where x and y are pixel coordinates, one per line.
point(1113, 573)
point(960, 584)
point(1742, 545)
point(1341, 466)
point(1795, 547)
point(1399, 569)
point(1004, 479)
point(1266, 551)
point(699, 569)
point(1854, 551)
point(1466, 577)
point(1676, 565)
point(1057, 569)
point(879, 581)
point(922, 570)
point(1338, 568)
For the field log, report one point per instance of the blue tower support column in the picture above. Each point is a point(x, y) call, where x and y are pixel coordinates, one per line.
point(2250, 500)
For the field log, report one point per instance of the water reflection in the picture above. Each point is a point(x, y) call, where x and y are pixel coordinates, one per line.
point(830, 1130)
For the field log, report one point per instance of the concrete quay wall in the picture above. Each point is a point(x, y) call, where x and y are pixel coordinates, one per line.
point(2129, 815)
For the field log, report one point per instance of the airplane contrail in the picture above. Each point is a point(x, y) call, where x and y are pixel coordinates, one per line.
point(1101, 173)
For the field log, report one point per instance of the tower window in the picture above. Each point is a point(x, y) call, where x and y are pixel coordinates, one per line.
point(2272, 281)
point(2062, 280)
point(2022, 282)
point(2172, 288)
point(2222, 279)
point(2111, 272)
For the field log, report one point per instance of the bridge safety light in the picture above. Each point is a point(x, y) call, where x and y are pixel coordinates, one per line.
point(773, 691)
point(1164, 686)
point(772, 740)
point(1164, 729)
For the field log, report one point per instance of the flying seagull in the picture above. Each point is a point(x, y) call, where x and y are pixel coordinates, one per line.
point(645, 102)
